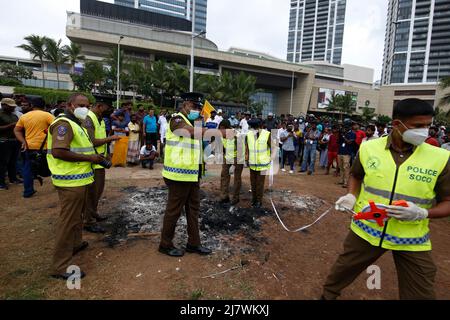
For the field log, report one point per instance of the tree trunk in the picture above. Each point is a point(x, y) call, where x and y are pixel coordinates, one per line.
point(43, 74)
point(57, 76)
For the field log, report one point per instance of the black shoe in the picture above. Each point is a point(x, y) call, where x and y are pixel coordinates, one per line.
point(82, 247)
point(225, 201)
point(101, 219)
point(173, 252)
point(94, 229)
point(65, 276)
point(151, 168)
point(17, 181)
point(199, 250)
point(3, 187)
point(309, 173)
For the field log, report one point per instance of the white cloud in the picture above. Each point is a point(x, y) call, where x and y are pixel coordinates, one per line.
point(260, 25)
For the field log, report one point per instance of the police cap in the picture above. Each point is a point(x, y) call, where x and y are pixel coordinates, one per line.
point(195, 97)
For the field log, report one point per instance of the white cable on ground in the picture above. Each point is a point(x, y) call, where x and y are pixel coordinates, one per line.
point(278, 216)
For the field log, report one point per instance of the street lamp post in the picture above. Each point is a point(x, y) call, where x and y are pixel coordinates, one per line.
point(191, 84)
point(292, 91)
point(118, 72)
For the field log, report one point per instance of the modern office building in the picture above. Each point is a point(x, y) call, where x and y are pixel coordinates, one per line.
point(417, 46)
point(316, 30)
point(175, 8)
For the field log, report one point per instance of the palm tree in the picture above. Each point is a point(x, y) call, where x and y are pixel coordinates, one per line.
point(367, 114)
point(342, 103)
point(445, 84)
point(111, 60)
point(244, 86)
point(160, 78)
point(73, 53)
point(35, 45)
point(54, 53)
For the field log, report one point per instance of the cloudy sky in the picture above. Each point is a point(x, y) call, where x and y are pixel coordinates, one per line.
point(260, 25)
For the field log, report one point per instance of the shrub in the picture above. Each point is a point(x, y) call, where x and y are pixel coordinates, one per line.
point(50, 96)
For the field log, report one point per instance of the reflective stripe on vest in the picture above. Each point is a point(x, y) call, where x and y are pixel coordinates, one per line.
point(182, 156)
point(71, 174)
point(259, 153)
point(414, 181)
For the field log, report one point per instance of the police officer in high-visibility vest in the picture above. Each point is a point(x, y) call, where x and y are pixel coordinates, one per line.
point(182, 172)
point(258, 154)
point(234, 155)
point(398, 167)
point(95, 127)
point(70, 158)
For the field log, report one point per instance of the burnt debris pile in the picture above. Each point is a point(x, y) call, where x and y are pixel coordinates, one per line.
point(222, 227)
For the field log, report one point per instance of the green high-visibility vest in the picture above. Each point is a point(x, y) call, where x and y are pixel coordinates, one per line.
point(71, 174)
point(100, 134)
point(259, 151)
point(414, 181)
point(182, 156)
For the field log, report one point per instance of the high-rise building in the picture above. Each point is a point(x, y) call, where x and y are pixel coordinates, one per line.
point(176, 8)
point(417, 45)
point(316, 30)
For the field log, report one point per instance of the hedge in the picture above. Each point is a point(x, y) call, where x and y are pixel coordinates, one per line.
point(50, 96)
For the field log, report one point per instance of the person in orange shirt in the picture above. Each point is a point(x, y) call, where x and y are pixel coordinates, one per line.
point(31, 131)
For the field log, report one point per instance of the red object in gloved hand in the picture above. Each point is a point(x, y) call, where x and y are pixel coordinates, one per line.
point(378, 214)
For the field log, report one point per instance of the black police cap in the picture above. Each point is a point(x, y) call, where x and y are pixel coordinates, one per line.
point(195, 97)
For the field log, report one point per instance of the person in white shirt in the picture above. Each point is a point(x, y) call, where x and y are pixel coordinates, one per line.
point(244, 123)
point(162, 121)
point(219, 117)
point(148, 155)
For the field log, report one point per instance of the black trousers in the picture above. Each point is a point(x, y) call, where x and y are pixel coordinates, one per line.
point(9, 152)
point(152, 138)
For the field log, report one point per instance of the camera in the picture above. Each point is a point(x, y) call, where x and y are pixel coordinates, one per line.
point(106, 163)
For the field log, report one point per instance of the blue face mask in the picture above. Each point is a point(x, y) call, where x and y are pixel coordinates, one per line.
point(194, 115)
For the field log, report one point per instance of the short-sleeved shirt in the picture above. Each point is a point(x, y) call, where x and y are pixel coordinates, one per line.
point(442, 187)
point(288, 145)
point(347, 148)
point(133, 127)
point(144, 152)
point(35, 123)
point(150, 124)
point(62, 135)
point(5, 119)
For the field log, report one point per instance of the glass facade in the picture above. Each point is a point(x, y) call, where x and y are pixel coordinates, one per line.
point(176, 8)
point(417, 46)
point(269, 99)
point(316, 30)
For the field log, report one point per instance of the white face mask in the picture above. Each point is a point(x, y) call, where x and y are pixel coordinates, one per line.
point(415, 136)
point(81, 113)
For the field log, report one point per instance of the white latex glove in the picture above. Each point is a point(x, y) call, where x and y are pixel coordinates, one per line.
point(346, 202)
point(411, 213)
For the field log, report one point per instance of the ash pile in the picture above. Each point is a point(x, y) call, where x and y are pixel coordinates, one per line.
point(222, 228)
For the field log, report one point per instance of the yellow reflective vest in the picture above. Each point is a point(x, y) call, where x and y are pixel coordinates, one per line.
point(100, 134)
point(232, 146)
point(259, 151)
point(72, 174)
point(384, 183)
point(182, 156)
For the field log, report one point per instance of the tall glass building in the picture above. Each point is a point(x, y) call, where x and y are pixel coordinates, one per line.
point(316, 30)
point(176, 8)
point(417, 44)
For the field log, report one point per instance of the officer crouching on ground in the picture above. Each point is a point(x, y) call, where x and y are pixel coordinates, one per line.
point(182, 173)
point(70, 158)
point(96, 129)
